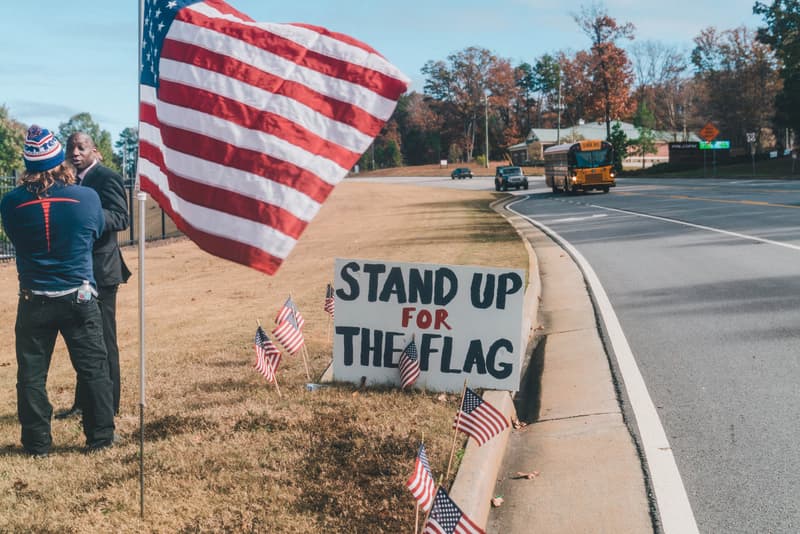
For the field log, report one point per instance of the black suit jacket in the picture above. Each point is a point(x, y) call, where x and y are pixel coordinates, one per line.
point(109, 267)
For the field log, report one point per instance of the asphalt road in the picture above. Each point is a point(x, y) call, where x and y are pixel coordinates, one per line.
point(704, 277)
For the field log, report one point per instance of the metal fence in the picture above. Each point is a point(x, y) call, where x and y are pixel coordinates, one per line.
point(6, 248)
point(158, 225)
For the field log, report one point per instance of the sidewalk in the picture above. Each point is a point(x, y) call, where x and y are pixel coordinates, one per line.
point(590, 477)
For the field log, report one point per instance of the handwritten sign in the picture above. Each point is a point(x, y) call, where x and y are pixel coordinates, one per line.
point(466, 322)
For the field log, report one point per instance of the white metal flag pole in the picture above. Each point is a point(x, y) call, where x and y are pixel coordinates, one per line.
point(142, 198)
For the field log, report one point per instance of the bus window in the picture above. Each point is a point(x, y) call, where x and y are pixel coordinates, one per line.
point(593, 158)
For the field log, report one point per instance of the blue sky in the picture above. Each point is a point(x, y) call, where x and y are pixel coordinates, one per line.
point(62, 58)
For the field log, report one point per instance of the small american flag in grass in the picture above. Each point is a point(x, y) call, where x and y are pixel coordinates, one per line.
point(479, 419)
point(268, 357)
point(409, 366)
point(289, 334)
point(330, 305)
point(421, 482)
point(290, 308)
point(447, 518)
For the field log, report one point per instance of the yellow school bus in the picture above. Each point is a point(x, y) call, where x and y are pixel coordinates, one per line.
point(580, 166)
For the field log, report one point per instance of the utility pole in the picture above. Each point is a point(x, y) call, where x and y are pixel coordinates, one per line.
point(486, 127)
point(558, 130)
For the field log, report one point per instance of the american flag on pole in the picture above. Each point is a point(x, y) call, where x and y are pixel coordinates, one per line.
point(289, 334)
point(330, 304)
point(479, 419)
point(409, 365)
point(447, 518)
point(290, 308)
point(246, 127)
point(421, 482)
point(268, 357)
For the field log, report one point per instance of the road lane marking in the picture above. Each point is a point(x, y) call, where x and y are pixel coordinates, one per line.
point(576, 219)
point(698, 226)
point(673, 504)
point(705, 199)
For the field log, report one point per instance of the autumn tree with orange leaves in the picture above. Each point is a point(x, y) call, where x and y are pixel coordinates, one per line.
point(609, 70)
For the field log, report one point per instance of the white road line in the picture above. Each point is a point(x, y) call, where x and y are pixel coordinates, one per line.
point(699, 227)
point(576, 219)
point(673, 503)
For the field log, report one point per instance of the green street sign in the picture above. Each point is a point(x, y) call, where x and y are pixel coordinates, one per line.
point(714, 145)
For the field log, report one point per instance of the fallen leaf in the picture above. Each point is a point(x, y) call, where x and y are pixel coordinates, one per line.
point(527, 476)
point(497, 501)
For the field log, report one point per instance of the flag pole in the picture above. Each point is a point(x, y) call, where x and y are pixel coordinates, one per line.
point(455, 434)
point(416, 517)
point(305, 362)
point(303, 348)
point(277, 387)
point(142, 198)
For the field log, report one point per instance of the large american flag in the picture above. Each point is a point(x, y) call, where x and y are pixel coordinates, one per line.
point(447, 518)
point(409, 365)
point(245, 127)
point(268, 357)
point(479, 419)
point(289, 334)
point(421, 481)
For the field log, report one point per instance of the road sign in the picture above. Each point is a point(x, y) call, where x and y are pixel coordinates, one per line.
point(714, 145)
point(709, 132)
point(751, 137)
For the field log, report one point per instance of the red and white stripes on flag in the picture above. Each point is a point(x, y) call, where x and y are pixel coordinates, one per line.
point(447, 518)
point(421, 481)
point(268, 357)
point(289, 334)
point(479, 419)
point(409, 365)
point(330, 304)
point(245, 127)
point(290, 308)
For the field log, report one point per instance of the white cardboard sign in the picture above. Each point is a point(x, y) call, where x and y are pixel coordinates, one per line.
point(466, 322)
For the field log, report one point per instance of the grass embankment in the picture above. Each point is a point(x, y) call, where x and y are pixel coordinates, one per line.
point(223, 452)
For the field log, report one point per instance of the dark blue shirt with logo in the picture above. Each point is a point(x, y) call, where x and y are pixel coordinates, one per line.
point(53, 235)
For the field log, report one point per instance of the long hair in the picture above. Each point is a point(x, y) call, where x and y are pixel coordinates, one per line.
point(39, 182)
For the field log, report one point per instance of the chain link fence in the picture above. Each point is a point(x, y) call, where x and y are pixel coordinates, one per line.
point(158, 225)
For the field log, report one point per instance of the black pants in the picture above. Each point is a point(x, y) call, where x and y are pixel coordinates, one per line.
point(39, 320)
point(107, 296)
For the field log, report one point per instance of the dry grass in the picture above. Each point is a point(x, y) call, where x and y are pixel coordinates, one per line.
point(223, 452)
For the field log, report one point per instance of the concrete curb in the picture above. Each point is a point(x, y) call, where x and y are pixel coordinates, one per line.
point(477, 475)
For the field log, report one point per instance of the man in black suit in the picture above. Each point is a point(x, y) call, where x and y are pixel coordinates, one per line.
point(109, 268)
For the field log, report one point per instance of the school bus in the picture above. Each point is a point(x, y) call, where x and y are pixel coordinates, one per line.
point(580, 166)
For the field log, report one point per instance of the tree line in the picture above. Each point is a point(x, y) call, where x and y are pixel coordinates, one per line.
point(742, 80)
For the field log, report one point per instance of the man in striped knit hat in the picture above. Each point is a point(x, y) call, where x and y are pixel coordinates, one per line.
point(53, 225)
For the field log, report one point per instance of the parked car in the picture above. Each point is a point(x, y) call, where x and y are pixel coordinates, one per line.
point(460, 173)
point(509, 176)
